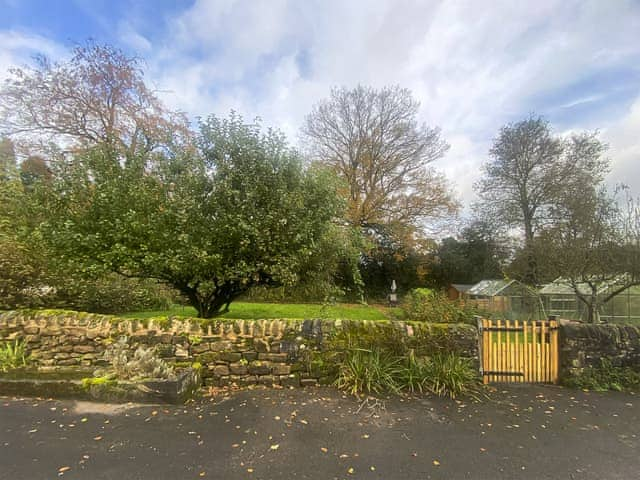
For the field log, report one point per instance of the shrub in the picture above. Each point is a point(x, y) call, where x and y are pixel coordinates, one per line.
point(366, 371)
point(425, 305)
point(450, 375)
point(378, 358)
point(605, 377)
point(13, 355)
point(144, 363)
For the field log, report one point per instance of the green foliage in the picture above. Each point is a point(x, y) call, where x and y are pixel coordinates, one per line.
point(238, 212)
point(13, 355)
point(425, 305)
point(606, 377)
point(104, 381)
point(366, 371)
point(449, 375)
point(142, 363)
point(112, 293)
point(380, 359)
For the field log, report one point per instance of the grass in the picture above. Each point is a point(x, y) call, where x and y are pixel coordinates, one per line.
point(246, 310)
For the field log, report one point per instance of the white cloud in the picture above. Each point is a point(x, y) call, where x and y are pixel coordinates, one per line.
point(18, 48)
point(624, 140)
point(473, 65)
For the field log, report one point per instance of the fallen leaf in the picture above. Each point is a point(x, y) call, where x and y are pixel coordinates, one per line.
point(324, 450)
point(350, 471)
point(99, 437)
point(63, 469)
point(436, 463)
point(250, 470)
point(202, 474)
point(275, 446)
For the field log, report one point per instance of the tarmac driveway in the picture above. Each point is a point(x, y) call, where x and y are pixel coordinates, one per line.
point(528, 432)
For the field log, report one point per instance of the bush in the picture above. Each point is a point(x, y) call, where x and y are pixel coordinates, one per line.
point(426, 305)
point(606, 377)
point(379, 358)
point(450, 375)
point(13, 355)
point(114, 293)
point(366, 371)
point(143, 363)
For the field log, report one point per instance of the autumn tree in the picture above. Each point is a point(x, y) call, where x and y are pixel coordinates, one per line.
point(529, 172)
point(97, 97)
point(241, 211)
point(373, 140)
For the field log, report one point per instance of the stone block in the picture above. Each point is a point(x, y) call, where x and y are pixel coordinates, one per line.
point(200, 348)
point(261, 345)
point(267, 380)
point(221, 370)
point(84, 349)
point(292, 380)
point(230, 356)
point(259, 368)
point(250, 356)
point(273, 357)
point(280, 369)
point(238, 369)
point(221, 346)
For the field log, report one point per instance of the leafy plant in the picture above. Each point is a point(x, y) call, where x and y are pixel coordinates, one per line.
point(450, 375)
point(13, 355)
point(366, 371)
point(426, 305)
point(606, 377)
point(143, 363)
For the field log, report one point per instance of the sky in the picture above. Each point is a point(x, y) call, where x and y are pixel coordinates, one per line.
point(473, 65)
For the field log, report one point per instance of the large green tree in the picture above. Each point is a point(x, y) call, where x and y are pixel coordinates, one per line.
point(238, 212)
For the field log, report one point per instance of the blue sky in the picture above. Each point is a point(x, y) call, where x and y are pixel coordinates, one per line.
point(473, 65)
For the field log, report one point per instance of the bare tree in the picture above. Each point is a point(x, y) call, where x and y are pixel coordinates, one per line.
point(373, 140)
point(97, 97)
point(594, 246)
point(530, 171)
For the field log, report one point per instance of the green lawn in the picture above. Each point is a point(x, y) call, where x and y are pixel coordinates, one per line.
point(246, 310)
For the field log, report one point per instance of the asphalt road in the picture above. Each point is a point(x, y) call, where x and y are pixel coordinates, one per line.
point(527, 432)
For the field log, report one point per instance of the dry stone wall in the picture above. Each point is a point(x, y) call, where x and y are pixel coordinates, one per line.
point(585, 345)
point(243, 352)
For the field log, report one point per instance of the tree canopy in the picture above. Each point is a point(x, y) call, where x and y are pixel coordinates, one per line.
point(241, 211)
point(531, 172)
point(372, 139)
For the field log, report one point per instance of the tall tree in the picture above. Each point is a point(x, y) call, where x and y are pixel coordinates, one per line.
point(529, 172)
point(478, 254)
point(373, 140)
point(240, 212)
point(97, 97)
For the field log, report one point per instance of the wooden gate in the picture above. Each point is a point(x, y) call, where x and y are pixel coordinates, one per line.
point(512, 351)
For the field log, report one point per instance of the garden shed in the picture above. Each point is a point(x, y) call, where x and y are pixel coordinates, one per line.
point(509, 298)
point(560, 299)
point(458, 291)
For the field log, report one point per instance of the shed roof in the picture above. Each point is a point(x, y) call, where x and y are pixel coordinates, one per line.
point(489, 288)
point(561, 286)
point(462, 287)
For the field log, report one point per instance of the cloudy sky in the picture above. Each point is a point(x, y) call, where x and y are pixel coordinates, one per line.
point(473, 65)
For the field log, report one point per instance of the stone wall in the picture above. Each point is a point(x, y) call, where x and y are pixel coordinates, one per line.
point(584, 345)
point(230, 351)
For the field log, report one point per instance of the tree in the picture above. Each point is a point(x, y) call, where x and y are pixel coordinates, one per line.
point(594, 246)
point(372, 139)
point(478, 254)
point(7, 158)
point(242, 211)
point(97, 97)
point(529, 173)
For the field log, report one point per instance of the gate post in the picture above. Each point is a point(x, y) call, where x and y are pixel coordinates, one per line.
point(478, 319)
